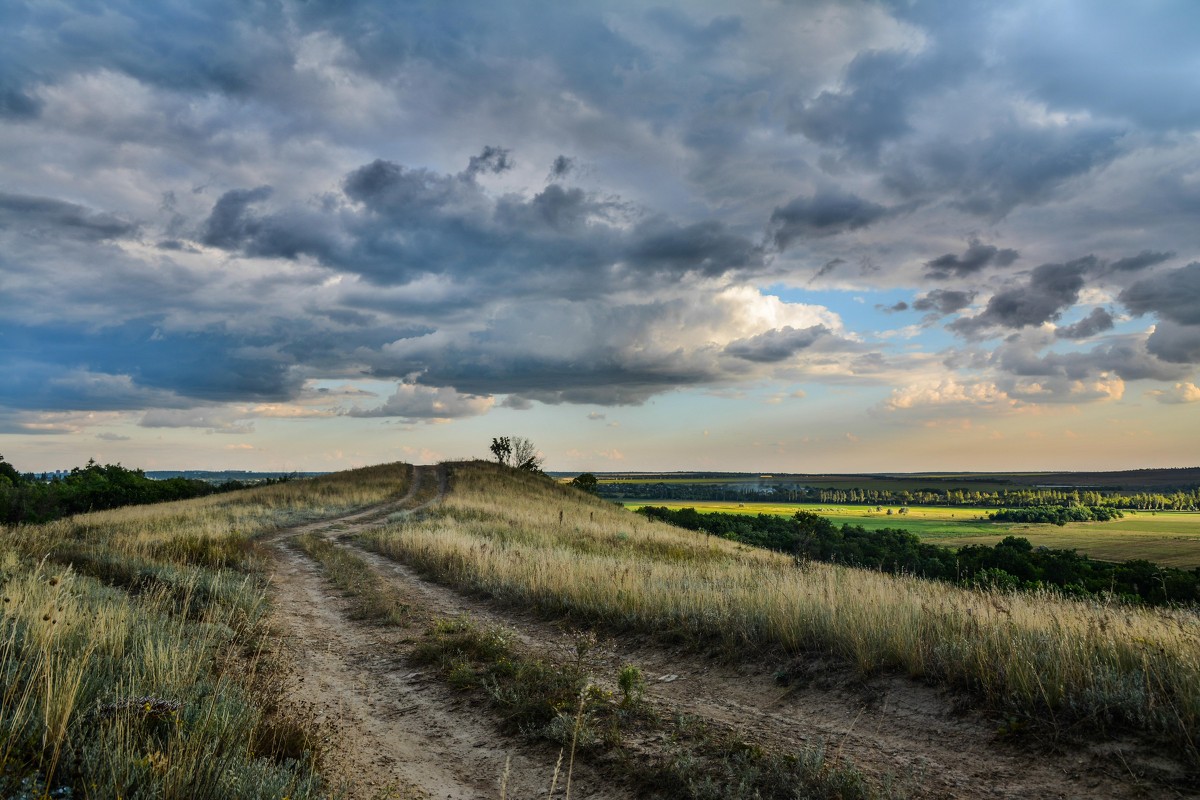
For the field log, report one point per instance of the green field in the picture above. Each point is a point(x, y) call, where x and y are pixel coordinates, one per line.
point(1170, 538)
point(883, 483)
point(1128, 481)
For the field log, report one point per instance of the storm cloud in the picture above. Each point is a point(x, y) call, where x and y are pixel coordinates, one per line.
point(943, 301)
point(44, 217)
point(1051, 289)
point(1098, 321)
point(978, 256)
point(776, 345)
point(1173, 295)
point(210, 209)
point(394, 224)
point(825, 213)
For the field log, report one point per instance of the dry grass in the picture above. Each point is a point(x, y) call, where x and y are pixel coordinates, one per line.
point(558, 700)
point(134, 655)
point(1037, 657)
point(182, 531)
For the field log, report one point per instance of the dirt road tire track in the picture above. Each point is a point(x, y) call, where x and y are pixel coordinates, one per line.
point(392, 732)
point(888, 725)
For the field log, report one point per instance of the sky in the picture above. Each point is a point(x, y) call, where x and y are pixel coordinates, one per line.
point(754, 236)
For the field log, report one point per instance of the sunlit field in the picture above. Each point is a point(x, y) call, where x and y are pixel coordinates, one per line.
point(530, 542)
point(1170, 538)
point(135, 647)
point(879, 483)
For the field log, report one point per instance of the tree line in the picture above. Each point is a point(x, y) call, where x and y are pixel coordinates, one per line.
point(1057, 515)
point(94, 487)
point(1179, 500)
point(1011, 564)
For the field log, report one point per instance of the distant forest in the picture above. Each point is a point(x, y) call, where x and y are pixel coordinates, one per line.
point(1011, 564)
point(29, 498)
point(1024, 497)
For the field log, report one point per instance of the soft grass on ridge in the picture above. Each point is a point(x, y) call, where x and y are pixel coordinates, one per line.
point(1031, 656)
point(1170, 538)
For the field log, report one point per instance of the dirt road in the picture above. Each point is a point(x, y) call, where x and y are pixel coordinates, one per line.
point(398, 733)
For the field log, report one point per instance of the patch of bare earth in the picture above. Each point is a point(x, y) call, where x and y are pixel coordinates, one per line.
point(395, 728)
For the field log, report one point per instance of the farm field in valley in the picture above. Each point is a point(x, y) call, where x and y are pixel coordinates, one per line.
point(1129, 480)
point(1170, 538)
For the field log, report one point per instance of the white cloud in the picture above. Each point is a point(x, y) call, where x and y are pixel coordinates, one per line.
point(1178, 394)
point(948, 392)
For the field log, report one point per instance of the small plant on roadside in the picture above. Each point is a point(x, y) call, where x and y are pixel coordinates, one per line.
point(632, 684)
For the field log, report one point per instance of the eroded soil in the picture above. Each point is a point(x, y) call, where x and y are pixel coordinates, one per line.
point(395, 732)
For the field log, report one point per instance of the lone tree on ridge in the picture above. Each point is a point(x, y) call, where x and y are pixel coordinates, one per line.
point(517, 452)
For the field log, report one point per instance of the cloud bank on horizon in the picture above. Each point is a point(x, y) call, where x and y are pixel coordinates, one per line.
point(226, 217)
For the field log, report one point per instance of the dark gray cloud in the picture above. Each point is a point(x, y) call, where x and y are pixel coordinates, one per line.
point(177, 246)
point(1051, 289)
point(704, 248)
point(561, 209)
point(401, 223)
point(870, 110)
point(558, 352)
point(474, 48)
point(15, 103)
point(1010, 167)
point(46, 218)
point(560, 168)
point(880, 115)
point(825, 213)
point(900, 306)
point(1179, 344)
point(224, 47)
point(1143, 260)
point(1173, 295)
point(136, 365)
point(1096, 322)
point(516, 403)
point(493, 159)
point(604, 378)
point(776, 345)
point(388, 188)
point(230, 225)
point(1127, 357)
point(943, 301)
point(978, 256)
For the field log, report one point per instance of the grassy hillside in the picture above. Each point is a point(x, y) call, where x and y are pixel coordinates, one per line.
point(526, 540)
point(137, 658)
point(135, 648)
